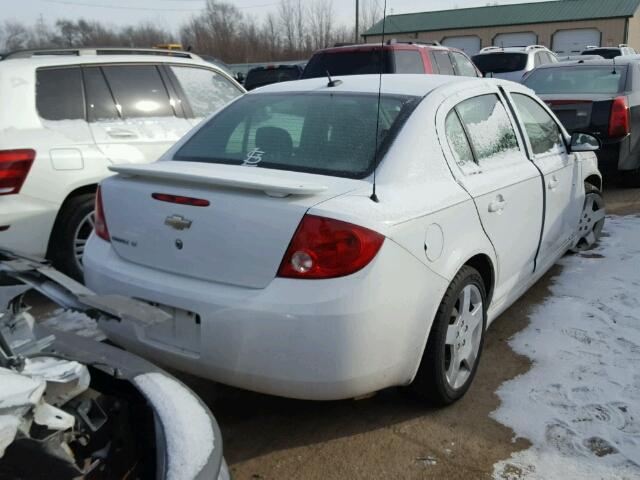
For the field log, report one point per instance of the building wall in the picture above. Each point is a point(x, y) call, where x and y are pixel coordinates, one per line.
point(612, 32)
point(634, 31)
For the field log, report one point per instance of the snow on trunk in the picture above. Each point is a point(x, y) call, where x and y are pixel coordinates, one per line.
point(579, 404)
point(186, 424)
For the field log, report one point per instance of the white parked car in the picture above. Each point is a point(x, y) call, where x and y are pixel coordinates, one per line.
point(512, 63)
point(67, 115)
point(260, 234)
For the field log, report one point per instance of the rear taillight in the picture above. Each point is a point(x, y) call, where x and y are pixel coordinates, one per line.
point(619, 119)
point(100, 225)
point(327, 248)
point(14, 168)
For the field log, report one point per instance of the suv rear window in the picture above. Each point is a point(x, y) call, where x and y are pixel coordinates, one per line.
point(500, 62)
point(258, 77)
point(325, 133)
point(577, 79)
point(354, 62)
point(607, 53)
point(59, 94)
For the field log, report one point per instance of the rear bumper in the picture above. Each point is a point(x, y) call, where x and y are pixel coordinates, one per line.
point(29, 221)
point(616, 155)
point(320, 340)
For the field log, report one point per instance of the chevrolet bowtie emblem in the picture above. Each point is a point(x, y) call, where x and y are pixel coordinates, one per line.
point(177, 222)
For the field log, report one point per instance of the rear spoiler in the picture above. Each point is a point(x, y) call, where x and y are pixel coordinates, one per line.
point(221, 175)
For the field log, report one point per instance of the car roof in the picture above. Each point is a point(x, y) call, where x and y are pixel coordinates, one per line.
point(417, 85)
point(619, 61)
point(38, 61)
point(408, 45)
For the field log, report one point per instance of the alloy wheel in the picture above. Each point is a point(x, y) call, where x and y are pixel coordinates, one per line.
point(591, 222)
point(464, 335)
point(80, 237)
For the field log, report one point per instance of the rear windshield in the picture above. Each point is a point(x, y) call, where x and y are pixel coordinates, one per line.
point(608, 53)
point(578, 79)
point(325, 133)
point(266, 76)
point(358, 62)
point(500, 62)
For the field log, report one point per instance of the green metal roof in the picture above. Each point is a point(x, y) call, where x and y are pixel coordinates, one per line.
point(500, 15)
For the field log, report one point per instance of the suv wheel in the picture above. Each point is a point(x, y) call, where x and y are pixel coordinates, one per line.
point(73, 229)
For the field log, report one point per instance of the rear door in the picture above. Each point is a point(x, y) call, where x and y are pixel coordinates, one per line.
point(133, 112)
point(490, 163)
point(549, 153)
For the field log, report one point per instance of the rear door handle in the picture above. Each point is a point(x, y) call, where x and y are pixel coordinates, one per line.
point(497, 205)
point(121, 133)
point(553, 183)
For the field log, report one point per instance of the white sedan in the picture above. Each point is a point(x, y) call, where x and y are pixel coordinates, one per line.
point(305, 249)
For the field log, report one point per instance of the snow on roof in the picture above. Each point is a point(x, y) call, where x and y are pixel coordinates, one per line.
point(187, 426)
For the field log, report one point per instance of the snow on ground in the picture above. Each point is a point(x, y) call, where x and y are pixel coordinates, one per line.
point(579, 405)
point(186, 424)
point(74, 322)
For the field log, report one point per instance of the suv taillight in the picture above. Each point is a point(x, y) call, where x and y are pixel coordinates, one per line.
point(619, 119)
point(327, 248)
point(100, 226)
point(14, 168)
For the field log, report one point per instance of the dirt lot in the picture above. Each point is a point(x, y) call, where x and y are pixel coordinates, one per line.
point(391, 435)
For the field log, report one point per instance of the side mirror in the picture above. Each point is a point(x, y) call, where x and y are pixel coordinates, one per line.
point(583, 142)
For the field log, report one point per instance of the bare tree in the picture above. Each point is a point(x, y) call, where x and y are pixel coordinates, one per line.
point(370, 14)
point(321, 23)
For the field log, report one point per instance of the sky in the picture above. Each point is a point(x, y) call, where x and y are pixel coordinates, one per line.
point(171, 13)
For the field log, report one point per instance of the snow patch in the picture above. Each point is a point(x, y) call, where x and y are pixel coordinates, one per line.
point(186, 424)
point(579, 404)
point(74, 322)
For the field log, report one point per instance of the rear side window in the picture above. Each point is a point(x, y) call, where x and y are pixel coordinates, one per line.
point(490, 131)
point(463, 65)
point(458, 143)
point(408, 61)
point(139, 91)
point(59, 94)
point(100, 102)
point(543, 132)
point(443, 62)
point(206, 90)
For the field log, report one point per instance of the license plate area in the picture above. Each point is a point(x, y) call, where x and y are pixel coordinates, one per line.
point(181, 332)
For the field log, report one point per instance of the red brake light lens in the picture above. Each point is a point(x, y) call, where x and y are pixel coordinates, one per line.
point(14, 168)
point(619, 120)
point(327, 248)
point(194, 202)
point(100, 226)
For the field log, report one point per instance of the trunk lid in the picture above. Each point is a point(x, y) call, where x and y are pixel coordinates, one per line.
point(588, 113)
point(239, 238)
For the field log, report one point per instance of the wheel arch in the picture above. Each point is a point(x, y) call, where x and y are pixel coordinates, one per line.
point(483, 264)
point(595, 181)
point(83, 190)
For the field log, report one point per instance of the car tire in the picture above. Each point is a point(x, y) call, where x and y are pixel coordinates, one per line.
point(591, 220)
point(73, 227)
point(455, 338)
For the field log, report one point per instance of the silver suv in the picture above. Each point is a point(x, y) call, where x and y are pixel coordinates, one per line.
point(512, 63)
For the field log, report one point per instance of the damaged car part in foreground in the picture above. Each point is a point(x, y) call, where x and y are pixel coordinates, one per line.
point(71, 407)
